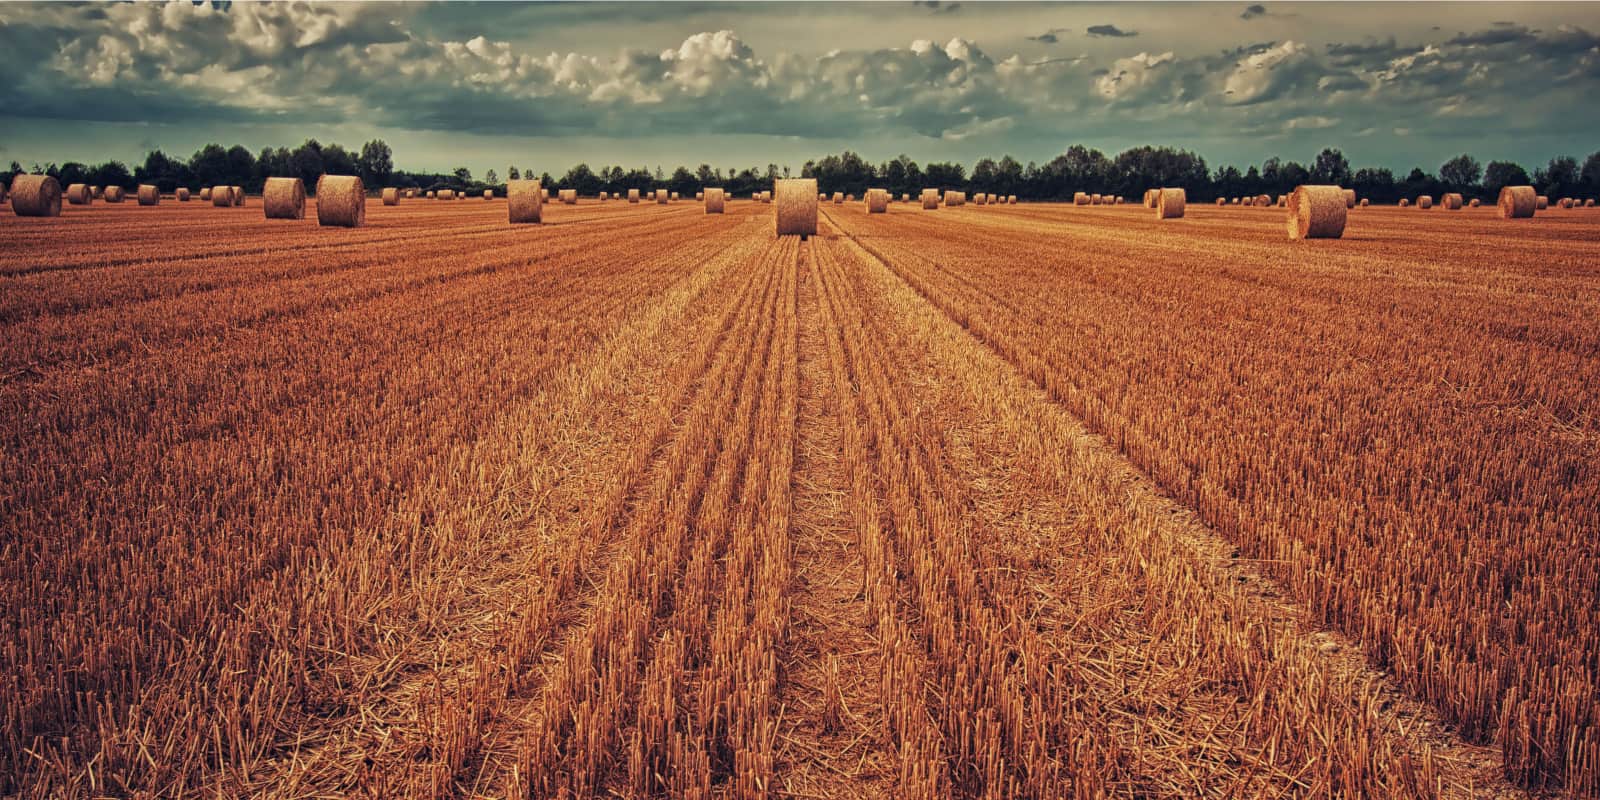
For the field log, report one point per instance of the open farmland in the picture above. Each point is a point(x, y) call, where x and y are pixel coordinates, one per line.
point(988, 501)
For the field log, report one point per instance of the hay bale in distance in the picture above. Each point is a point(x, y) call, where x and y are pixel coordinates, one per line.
point(112, 194)
point(766, 196)
point(433, 195)
point(285, 198)
point(838, 197)
point(149, 195)
point(714, 199)
point(980, 199)
point(1363, 202)
point(238, 195)
point(1317, 212)
point(1170, 203)
point(568, 196)
point(525, 199)
point(1425, 201)
point(1451, 201)
point(633, 195)
point(1473, 203)
point(674, 197)
point(797, 206)
point(930, 199)
point(182, 194)
point(1349, 198)
point(661, 198)
point(1150, 197)
point(1518, 202)
point(488, 194)
point(1541, 202)
point(205, 193)
point(1404, 202)
point(222, 197)
point(35, 196)
point(877, 201)
point(1283, 201)
point(447, 194)
point(1222, 201)
point(391, 196)
point(341, 201)
point(954, 198)
point(1263, 200)
point(1566, 202)
point(700, 195)
point(78, 194)
point(905, 197)
point(544, 194)
point(1011, 199)
point(1589, 203)
point(98, 191)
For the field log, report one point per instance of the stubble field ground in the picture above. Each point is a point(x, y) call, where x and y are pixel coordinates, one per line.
point(1020, 501)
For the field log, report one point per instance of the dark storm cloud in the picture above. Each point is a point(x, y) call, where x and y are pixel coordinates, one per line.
point(1051, 36)
point(1500, 34)
point(1109, 30)
point(1253, 11)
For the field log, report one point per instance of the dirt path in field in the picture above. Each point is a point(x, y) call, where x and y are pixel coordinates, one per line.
point(1152, 586)
point(831, 742)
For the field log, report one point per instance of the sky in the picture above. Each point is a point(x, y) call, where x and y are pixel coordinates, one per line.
point(546, 85)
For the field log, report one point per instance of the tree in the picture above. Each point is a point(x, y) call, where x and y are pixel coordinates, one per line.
point(1589, 176)
point(376, 163)
point(512, 174)
point(305, 162)
point(463, 176)
point(1559, 178)
point(1461, 173)
point(1500, 174)
point(491, 177)
point(209, 165)
point(1330, 167)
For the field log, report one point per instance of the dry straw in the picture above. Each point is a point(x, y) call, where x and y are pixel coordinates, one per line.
point(391, 197)
point(1541, 202)
point(341, 201)
point(525, 201)
point(1169, 203)
point(1150, 197)
point(1451, 201)
point(1263, 200)
point(661, 198)
point(1011, 200)
point(1349, 198)
point(1566, 202)
point(99, 191)
point(674, 196)
point(1589, 203)
point(766, 197)
point(433, 195)
point(1283, 201)
point(1222, 201)
point(930, 199)
point(714, 200)
point(1425, 201)
point(221, 197)
point(149, 195)
point(35, 196)
point(838, 197)
point(1518, 202)
point(877, 201)
point(797, 206)
point(183, 194)
point(238, 195)
point(285, 198)
point(1317, 212)
point(905, 197)
point(1094, 199)
point(569, 196)
point(205, 193)
point(114, 194)
point(1404, 202)
point(78, 194)
point(1363, 202)
point(980, 199)
point(633, 195)
point(447, 194)
point(700, 195)
point(1473, 203)
point(954, 198)
point(488, 194)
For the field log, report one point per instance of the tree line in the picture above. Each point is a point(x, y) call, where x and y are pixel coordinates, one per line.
point(1079, 168)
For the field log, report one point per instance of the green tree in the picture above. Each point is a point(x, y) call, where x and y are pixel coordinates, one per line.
point(1500, 174)
point(1461, 173)
point(376, 163)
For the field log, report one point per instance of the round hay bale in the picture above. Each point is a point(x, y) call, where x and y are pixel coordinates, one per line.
point(525, 199)
point(1541, 202)
point(488, 194)
point(1589, 203)
point(1283, 201)
point(447, 194)
point(433, 195)
point(1349, 198)
point(661, 198)
point(1094, 199)
point(544, 193)
point(838, 197)
point(285, 198)
point(674, 197)
point(238, 195)
point(633, 195)
point(766, 196)
point(1248, 201)
point(1363, 202)
point(99, 191)
point(1317, 212)
point(1451, 201)
point(78, 194)
point(953, 198)
point(1150, 197)
point(1117, 200)
point(700, 195)
point(35, 196)
point(821, 197)
point(1263, 200)
point(604, 196)
point(1473, 203)
point(1170, 203)
point(221, 197)
point(980, 199)
point(112, 194)
point(149, 195)
point(877, 201)
point(930, 199)
point(391, 196)
point(568, 196)
point(797, 206)
point(1518, 202)
point(1404, 202)
point(905, 197)
point(183, 194)
point(1222, 201)
point(1566, 202)
point(205, 193)
point(1425, 201)
point(714, 199)
point(341, 201)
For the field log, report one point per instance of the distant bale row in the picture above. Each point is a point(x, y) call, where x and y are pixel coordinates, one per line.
point(633, 195)
point(797, 200)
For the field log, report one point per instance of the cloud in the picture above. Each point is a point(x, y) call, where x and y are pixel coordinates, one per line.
point(1050, 36)
point(1253, 11)
point(1109, 30)
point(937, 6)
point(1497, 35)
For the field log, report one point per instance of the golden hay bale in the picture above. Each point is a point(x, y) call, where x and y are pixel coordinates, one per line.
point(1566, 202)
point(1094, 199)
point(1011, 199)
point(35, 196)
point(766, 196)
point(1589, 203)
point(930, 199)
point(1283, 201)
point(1222, 201)
point(1349, 198)
point(604, 196)
point(877, 201)
point(341, 201)
point(238, 195)
point(953, 198)
point(78, 195)
point(1248, 201)
point(1116, 200)
point(1518, 202)
point(674, 196)
point(182, 194)
point(544, 193)
point(1541, 202)
point(1473, 203)
point(1317, 212)
point(391, 196)
point(488, 194)
point(1451, 201)
point(633, 195)
point(149, 195)
point(838, 197)
point(433, 195)
point(1170, 203)
point(1425, 201)
point(821, 197)
point(112, 194)
point(980, 199)
point(447, 194)
point(98, 191)
point(700, 195)
point(714, 199)
point(285, 198)
point(1363, 202)
point(525, 199)
point(221, 196)
point(661, 198)
point(905, 197)
point(568, 196)
point(797, 206)
point(1263, 200)
point(1150, 197)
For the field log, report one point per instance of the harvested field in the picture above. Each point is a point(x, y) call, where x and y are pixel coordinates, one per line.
point(1036, 500)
